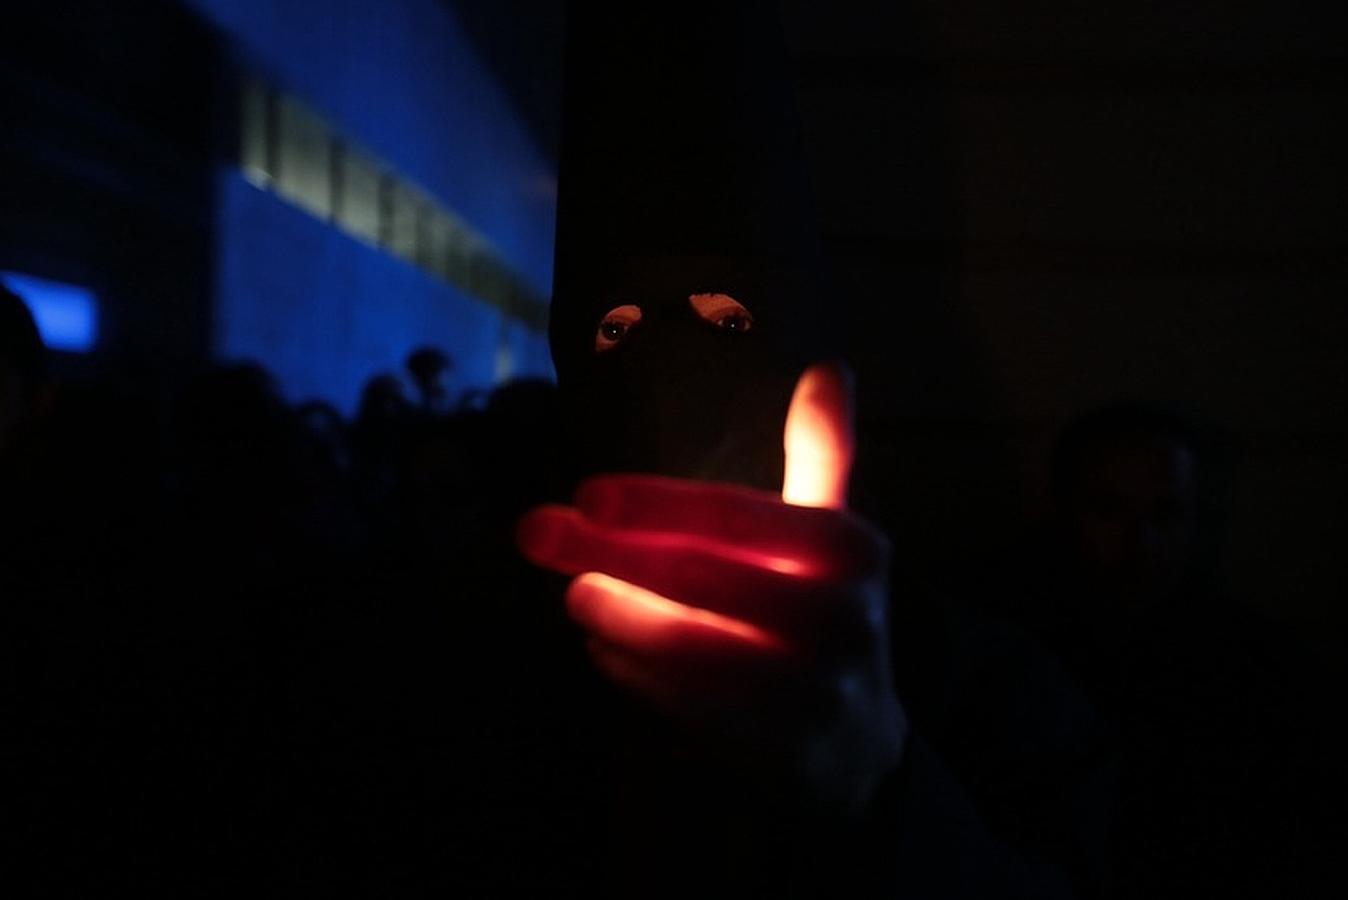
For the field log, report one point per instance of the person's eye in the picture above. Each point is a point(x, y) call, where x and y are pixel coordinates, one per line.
point(615, 326)
point(723, 311)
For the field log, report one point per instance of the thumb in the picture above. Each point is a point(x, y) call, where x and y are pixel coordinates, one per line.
point(818, 438)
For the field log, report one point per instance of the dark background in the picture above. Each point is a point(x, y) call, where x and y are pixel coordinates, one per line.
point(1039, 208)
point(1030, 211)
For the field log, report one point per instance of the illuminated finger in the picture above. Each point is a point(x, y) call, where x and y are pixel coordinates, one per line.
point(688, 568)
point(827, 543)
point(654, 627)
point(686, 660)
point(818, 439)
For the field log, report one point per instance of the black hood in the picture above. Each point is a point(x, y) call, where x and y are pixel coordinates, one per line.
point(681, 174)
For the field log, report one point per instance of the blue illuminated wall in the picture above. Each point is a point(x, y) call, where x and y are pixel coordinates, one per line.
point(324, 311)
point(66, 315)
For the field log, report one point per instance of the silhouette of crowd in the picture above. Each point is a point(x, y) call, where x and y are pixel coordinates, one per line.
point(242, 636)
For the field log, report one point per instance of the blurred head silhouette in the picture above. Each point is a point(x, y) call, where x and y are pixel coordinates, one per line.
point(235, 433)
point(429, 369)
point(687, 265)
point(382, 401)
point(1125, 488)
point(23, 366)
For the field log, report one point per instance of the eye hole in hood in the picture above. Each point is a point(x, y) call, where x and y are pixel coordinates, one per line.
point(615, 326)
point(723, 311)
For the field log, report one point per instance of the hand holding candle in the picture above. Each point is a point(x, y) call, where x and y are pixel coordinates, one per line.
point(759, 617)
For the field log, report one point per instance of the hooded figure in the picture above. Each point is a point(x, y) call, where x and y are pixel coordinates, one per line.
point(688, 268)
point(754, 623)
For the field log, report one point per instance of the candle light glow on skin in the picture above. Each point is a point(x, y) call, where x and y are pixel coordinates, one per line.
point(711, 602)
point(687, 564)
point(818, 440)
